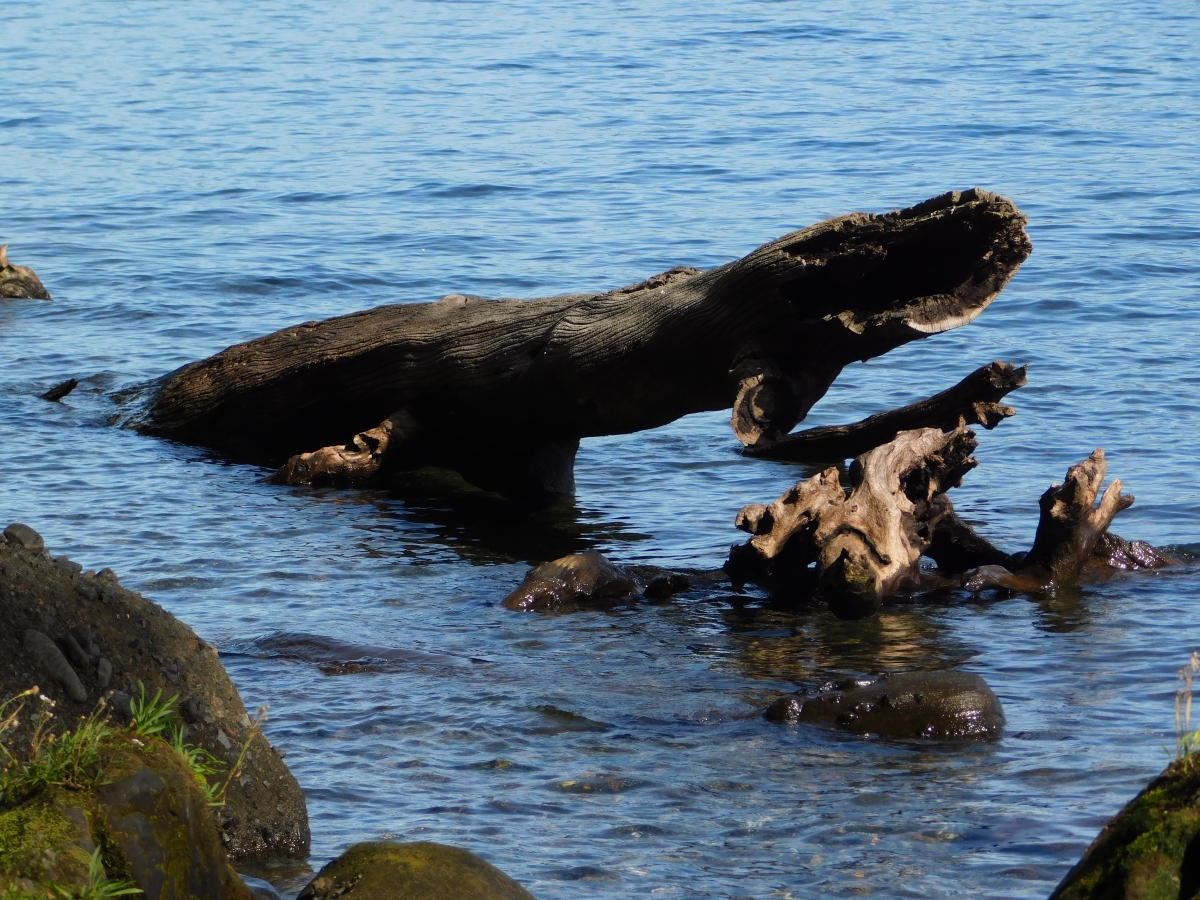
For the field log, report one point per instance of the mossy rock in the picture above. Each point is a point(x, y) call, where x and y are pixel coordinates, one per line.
point(161, 824)
point(264, 813)
point(383, 870)
point(1150, 850)
point(46, 841)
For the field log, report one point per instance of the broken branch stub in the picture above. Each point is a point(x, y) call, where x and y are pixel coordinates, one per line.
point(1070, 531)
point(975, 400)
point(1071, 523)
point(770, 331)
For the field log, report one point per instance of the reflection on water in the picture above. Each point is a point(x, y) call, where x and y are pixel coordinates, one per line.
point(211, 183)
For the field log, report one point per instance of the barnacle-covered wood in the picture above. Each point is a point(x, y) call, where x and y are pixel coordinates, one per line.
point(19, 282)
point(866, 545)
point(491, 382)
point(974, 400)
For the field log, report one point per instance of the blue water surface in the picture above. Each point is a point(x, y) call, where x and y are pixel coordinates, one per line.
point(186, 176)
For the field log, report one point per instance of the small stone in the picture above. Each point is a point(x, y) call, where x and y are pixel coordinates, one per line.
point(192, 710)
point(118, 702)
point(223, 739)
point(83, 635)
point(103, 672)
point(72, 568)
point(50, 659)
point(22, 535)
point(78, 655)
point(665, 586)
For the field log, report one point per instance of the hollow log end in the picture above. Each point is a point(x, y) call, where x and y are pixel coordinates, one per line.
point(750, 518)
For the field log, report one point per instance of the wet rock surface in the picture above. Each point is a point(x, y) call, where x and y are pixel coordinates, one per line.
point(381, 870)
point(939, 705)
point(111, 639)
point(577, 579)
point(1150, 849)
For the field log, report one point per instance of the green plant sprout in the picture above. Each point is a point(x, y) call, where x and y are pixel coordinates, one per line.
point(151, 717)
point(99, 886)
point(56, 757)
point(1187, 743)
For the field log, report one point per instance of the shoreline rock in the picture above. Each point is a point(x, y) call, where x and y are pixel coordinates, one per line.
point(1150, 849)
point(386, 870)
point(57, 621)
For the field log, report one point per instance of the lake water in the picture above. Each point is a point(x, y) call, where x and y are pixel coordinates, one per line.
point(184, 177)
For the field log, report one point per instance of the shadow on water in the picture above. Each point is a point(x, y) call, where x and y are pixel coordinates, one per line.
point(482, 527)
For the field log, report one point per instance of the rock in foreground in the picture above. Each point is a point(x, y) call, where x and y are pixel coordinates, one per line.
point(381, 870)
point(141, 806)
point(81, 636)
point(940, 705)
point(579, 578)
point(1150, 849)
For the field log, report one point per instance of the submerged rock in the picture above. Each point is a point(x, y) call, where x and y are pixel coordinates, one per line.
point(19, 282)
point(1150, 849)
point(579, 578)
point(382, 870)
point(943, 705)
point(117, 639)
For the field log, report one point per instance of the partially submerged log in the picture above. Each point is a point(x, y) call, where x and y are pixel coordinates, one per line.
point(867, 545)
point(860, 548)
point(974, 400)
point(19, 282)
point(1072, 536)
point(502, 390)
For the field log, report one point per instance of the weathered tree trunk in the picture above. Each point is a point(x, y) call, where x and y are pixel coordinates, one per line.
point(502, 390)
point(867, 545)
point(974, 400)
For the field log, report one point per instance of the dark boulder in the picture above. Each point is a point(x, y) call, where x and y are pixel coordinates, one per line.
point(138, 818)
point(159, 821)
point(381, 870)
point(1150, 849)
point(118, 639)
point(943, 705)
point(579, 578)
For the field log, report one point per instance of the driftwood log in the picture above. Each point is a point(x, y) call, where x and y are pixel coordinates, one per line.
point(19, 282)
point(859, 548)
point(866, 545)
point(502, 390)
point(974, 400)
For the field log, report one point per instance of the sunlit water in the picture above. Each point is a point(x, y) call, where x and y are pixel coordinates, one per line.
point(187, 176)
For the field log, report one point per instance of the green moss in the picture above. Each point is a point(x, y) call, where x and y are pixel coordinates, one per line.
point(1139, 854)
point(382, 870)
point(46, 840)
